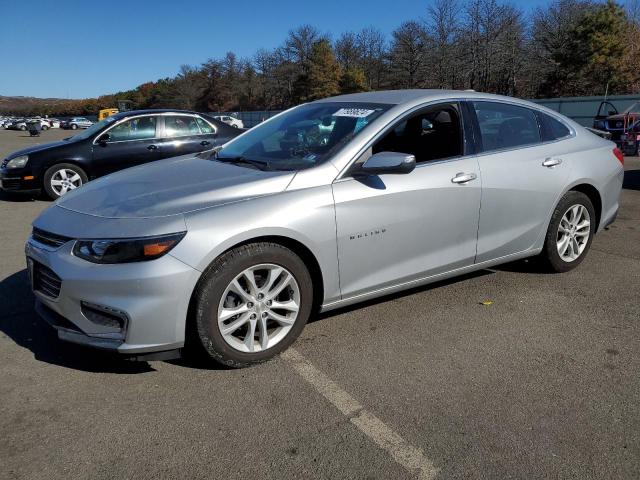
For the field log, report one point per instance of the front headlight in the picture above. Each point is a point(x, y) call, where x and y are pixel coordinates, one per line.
point(126, 250)
point(18, 162)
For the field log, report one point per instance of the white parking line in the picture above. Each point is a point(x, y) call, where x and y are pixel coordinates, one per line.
point(403, 453)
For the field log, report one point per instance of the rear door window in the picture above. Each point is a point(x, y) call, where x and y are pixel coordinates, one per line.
point(204, 126)
point(504, 126)
point(180, 126)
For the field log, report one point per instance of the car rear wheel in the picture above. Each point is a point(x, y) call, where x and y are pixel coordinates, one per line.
point(570, 232)
point(251, 304)
point(63, 178)
point(44, 127)
point(23, 128)
point(74, 126)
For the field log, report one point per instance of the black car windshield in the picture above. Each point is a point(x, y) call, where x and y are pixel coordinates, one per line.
point(303, 137)
point(93, 129)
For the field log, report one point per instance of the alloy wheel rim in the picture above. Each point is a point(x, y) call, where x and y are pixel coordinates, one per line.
point(259, 308)
point(574, 231)
point(64, 180)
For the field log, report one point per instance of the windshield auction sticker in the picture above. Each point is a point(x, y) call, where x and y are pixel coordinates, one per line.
point(353, 112)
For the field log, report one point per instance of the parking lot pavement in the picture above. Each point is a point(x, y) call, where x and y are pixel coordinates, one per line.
point(427, 384)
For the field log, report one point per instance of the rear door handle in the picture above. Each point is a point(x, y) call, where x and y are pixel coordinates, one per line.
point(152, 147)
point(463, 177)
point(551, 162)
point(204, 143)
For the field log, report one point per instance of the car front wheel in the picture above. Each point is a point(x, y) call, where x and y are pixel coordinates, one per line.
point(63, 178)
point(570, 232)
point(74, 126)
point(251, 304)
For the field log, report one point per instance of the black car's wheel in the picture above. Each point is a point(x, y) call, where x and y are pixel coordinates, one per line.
point(251, 304)
point(74, 126)
point(570, 232)
point(62, 178)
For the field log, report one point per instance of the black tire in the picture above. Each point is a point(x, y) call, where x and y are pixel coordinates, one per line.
point(23, 128)
point(74, 126)
point(205, 333)
point(44, 127)
point(550, 257)
point(52, 170)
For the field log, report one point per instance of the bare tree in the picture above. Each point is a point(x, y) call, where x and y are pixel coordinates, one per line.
point(408, 55)
point(443, 29)
point(188, 86)
point(372, 44)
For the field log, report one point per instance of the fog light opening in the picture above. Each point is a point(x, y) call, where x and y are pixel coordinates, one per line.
point(104, 316)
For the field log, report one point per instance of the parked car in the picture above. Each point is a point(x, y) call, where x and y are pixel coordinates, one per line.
point(75, 123)
point(630, 140)
point(229, 120)
point(619, 124)
point(54, 122)
point(17, 124)
point(43, 122)
point(120, 141)
point(231, 256)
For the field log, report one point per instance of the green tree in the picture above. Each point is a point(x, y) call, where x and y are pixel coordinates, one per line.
point(324, 71)
point(353, 80)
point(593, 55)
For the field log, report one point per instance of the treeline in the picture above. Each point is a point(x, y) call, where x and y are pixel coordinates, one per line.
point(568, 48)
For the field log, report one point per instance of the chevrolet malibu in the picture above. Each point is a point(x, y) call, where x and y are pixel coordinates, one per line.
point(327, 204)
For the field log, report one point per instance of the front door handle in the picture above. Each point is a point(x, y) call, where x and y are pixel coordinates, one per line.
point(463, 177)
point(551, 162)
point(204, 143)
point(152, 147)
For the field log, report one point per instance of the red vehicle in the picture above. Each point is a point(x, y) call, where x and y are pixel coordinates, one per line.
point(624, 127)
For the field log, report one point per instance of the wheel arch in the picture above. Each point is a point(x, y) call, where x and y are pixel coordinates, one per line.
point(594, 195)
point(296, 246)
point(78, 162)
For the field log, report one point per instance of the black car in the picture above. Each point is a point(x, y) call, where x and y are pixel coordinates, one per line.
point(120, 141)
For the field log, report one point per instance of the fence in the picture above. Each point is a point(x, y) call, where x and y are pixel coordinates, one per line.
point(584, 109)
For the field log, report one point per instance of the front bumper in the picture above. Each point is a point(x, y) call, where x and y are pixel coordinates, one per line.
point(18, 180)
point(153, 297)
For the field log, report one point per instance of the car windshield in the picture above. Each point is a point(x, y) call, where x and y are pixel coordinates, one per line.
point(93, 129)
point(634, 108)
point(303, 137)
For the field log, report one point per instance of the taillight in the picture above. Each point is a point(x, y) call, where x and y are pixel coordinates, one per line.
point(619, 155)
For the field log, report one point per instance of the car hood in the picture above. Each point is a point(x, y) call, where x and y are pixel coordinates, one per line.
point(37, 148)
point(171, 187)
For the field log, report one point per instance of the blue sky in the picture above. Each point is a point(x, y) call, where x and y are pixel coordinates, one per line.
point(78, 49)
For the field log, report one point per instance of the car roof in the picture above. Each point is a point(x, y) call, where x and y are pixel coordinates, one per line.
point(130, 113)
point(398, 97)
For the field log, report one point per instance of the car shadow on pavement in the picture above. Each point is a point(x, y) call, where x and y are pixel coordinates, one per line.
point(19, 197)
point(20, 323)
point(631, 180)
point(398, 295)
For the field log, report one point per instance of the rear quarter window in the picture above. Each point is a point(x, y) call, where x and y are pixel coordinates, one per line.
point(552, 129)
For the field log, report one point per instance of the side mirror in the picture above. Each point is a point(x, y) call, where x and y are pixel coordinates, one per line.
point(389, 162)
point(103, 139)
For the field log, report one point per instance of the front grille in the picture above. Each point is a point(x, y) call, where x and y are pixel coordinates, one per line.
point(48, 238)
point(11, 183)
point(46, 281)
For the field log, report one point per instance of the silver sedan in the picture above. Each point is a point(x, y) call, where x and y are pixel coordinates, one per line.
point(325, 205)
